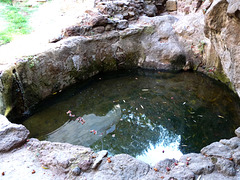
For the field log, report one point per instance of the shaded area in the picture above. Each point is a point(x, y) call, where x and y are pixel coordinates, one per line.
point(159, 110)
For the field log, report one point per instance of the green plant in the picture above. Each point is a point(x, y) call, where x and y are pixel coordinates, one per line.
point(201, 46)
point(17, 19)
point(6, 1)
point(32, 60)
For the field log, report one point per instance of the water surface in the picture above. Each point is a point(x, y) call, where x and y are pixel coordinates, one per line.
point(147, 114)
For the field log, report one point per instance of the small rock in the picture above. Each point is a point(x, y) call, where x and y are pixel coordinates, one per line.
point(118, 16)
point(131, 14)
point(99, 21)
point(55, 39)
point(109, 27)
point(85, 165)
point(237, 132)
point(99, 158)
point(150, 10)
point(76, 171)
point(99, 29)
point(122, 24)
point(171, 5)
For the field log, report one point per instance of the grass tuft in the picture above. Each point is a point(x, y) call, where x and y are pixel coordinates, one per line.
point(17, 18)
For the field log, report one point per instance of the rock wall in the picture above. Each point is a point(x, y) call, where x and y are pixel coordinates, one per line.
point(222, 27)
point(151, 44)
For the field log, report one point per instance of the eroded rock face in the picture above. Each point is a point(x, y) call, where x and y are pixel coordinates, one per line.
point(222, 27)
point(151, 44)
point(11, 135)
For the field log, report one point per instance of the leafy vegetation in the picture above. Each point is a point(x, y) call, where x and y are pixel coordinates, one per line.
point(17, 18)
point(6, 1)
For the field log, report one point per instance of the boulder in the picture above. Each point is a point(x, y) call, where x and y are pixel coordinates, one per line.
point(150, 10)
point(171, 5)
point(11, 135)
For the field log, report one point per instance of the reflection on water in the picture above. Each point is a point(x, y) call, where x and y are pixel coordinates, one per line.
point(87, 133)
point(149, 115)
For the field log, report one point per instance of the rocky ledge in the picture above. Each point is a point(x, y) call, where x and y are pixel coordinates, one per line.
point(207, 41)
point(34, 159)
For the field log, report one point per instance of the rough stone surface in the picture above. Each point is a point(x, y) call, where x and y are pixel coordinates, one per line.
point(121, 166)
point(222, 30)
point(198, 164)
point(217, 149)
point(60, 157)
point(236, 157)
point(49, 161)
point(181, 173)
point(226, 167)
point(233, 143)
point(162, 166)
point(85, 165)
point(11, 135)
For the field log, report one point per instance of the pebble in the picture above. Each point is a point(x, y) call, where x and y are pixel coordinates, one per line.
point(76, 171)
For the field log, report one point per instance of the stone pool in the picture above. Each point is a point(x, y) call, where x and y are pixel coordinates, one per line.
point(151, 115)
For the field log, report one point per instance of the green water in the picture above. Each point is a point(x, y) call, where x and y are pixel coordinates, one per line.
point(149, 115)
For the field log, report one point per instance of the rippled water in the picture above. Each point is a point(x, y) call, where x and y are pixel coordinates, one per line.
point(149, 115)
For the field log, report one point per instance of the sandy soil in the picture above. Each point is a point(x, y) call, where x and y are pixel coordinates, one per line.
point(47, 22)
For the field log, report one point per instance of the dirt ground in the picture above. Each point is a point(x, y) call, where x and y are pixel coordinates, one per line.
point(47, 23)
